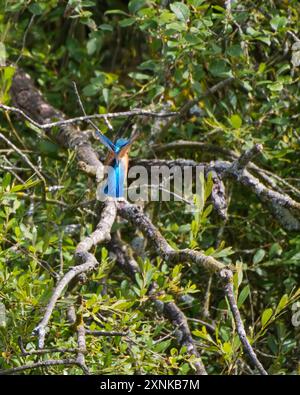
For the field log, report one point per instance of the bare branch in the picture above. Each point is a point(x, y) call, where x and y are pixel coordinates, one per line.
point(48, 363)
point(285, 209)
point(179, 145)
point(44, 351)
point(24, 39)
point(105, 333)
point(86, 118)
point(25, 158)
point(218, 196)
point(81, 106)
point(226, 276)
point(139, 219)
point(177, 317)
point(246, 158)
point(81, 346)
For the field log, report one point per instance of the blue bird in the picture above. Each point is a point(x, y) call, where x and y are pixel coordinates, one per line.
point(118, 161)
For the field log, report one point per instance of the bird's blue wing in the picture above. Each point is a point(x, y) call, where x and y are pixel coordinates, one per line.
point(106, 141)
point(116, 179)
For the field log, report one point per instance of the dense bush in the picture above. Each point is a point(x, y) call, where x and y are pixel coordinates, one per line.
point(156, 55)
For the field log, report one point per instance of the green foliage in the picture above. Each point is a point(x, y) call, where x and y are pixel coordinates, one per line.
point(144, 54)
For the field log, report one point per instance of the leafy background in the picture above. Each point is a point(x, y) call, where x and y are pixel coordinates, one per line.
point(156, 55)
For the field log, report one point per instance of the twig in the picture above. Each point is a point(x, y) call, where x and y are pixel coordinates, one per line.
point(61, 256)
point(207, 297)
point(24, 38)
point(85, 118)
point(24, 157)
point(293, 35)
point(48, 363)
point(23, 195)
point(81, 347)
point(210, 327)
point(245, 158)
point(226, 276)
point(81, 106)
point(179, 145)
point(105, 333)
point(172, 311)
point(44, 351)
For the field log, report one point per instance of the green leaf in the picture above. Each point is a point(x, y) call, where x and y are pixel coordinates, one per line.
point(127, 22)
point(162, 346)
point(48, 147)
point(139, 280)
point(92, 45)
point(181, 10)
point(236, 121)
point(227, 348)
point(235, 50)
point(275, 250)
point(275, 87)
point(278, 22)
point(106, 95)
point(116, 12)
point(259, 256)
point(91, 90)
point(36, 9)
point(282, 303)
point(175, 26)
point(2, 54)
point(106, 27)
point(243, 295)
point(135, 5)
point(219, 68)
point(139, 76)
point(266, 315)
point(6, 181)
point(264, 39)
point(195, 3)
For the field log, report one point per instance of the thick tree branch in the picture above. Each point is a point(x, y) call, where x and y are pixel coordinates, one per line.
point(29, 101)
point(139, 219)
point(285, 209)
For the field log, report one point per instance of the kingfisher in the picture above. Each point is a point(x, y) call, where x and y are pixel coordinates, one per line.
point(117, 160)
